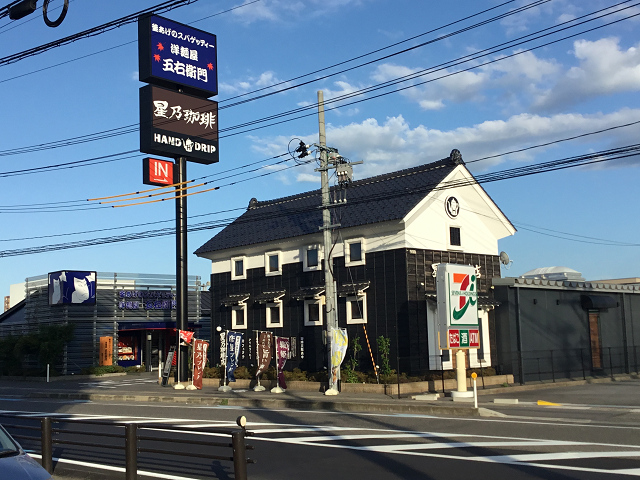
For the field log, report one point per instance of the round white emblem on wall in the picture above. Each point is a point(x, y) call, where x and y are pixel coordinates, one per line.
point(452, 206)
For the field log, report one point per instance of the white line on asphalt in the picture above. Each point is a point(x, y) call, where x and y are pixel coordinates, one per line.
point(99, 466)
point(541, 457)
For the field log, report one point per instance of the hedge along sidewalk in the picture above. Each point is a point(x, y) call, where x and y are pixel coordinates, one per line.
point(373, 388)
point(63, 378)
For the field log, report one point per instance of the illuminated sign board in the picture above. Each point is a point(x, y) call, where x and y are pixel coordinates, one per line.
point(157, 172)
point(71, 287)
point(457, 300)
point(174, 55)
point(146, 300)
point(173, 124)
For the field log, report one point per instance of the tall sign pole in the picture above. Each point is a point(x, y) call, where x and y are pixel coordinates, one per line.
point(182, 279)
point(178, 121)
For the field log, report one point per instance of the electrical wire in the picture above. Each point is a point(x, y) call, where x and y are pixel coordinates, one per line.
point(132, 128)
point(475, 56)
point(94, 31)
point(570, 162)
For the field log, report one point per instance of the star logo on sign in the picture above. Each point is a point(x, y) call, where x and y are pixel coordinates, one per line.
point(210, 66)
point(160, 46)
point(156, 57)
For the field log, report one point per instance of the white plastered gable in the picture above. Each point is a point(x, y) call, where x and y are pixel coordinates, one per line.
point(481, 223)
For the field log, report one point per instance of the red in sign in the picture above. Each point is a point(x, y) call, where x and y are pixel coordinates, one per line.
point(157, 172)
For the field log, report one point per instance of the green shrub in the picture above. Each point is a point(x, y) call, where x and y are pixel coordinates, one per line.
point(296, 375)
point(213, 372)
point(103, 370)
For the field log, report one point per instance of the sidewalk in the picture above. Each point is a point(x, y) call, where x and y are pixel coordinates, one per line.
point(140, 388)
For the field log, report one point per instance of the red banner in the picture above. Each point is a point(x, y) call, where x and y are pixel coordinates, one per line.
point(282, 352)
point(199, 361)
point(185, 337)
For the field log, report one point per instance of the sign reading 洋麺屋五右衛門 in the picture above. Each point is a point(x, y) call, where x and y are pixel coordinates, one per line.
point(173, 124)
point(172, 54)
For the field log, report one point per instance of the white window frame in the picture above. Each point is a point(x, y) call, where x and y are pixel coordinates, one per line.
point(267, 266)
point(305, 265)
point(320, 303)
point(450, 246)
point(240, 309)
point(270, 322)
point(347, 252)
point(350, 300)
point(244, 268)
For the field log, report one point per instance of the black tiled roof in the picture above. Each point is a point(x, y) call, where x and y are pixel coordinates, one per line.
point(371, 200)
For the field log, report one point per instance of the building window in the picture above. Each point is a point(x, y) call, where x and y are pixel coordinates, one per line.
point(274, 314)
point(311, 258)
point(313, 313)
point(454, 237)
point(357, 309)
point(354, 252)
point(239, 317)
point(238, 268)
point(272, 264)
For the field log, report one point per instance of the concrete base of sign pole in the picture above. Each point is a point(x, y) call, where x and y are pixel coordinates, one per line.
point(277, 390)
point(332, 391)
point(224, 388)
point(461, 371)
point(191, 386)
point(178, 386)
point(259, 388)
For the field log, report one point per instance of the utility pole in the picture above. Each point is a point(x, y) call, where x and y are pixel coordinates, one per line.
point(329, 158)
point(327, 241)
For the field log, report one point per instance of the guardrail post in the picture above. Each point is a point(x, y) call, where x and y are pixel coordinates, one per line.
point(239, 455)
point(46, 444)
point(584, 374)
point(553, 370)
point(131, 451)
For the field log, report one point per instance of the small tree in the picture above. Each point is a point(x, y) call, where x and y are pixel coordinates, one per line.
point(384, 344)
point(351, 365)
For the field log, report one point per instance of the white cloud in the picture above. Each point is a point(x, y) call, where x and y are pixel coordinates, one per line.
point(394, 144)
point(288, 10)
point(262, 80)
point(604, 69)
point(522, 74)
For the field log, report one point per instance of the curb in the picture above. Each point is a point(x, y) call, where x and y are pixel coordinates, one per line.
point(278, 403)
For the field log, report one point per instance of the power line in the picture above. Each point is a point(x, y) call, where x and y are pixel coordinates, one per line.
point(570, 162)
point(92, 32)
point(132, 128)
point(491, 50)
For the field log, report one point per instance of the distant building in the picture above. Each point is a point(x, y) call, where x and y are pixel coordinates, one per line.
point(136, 310)
point(7, 303)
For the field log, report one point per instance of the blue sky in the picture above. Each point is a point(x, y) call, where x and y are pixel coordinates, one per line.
point(583, 218)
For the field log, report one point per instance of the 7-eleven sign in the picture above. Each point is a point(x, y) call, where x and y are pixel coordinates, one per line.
point(157, 172)
point(457, 299)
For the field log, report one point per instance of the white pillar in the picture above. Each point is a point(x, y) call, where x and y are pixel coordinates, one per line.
point(461, 370)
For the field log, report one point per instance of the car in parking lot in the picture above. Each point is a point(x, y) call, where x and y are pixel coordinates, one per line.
point(15, 464)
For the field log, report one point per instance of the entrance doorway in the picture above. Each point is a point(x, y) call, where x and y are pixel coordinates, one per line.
point(596, 342)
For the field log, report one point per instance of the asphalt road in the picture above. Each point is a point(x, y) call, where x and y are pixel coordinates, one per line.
point(591, 433)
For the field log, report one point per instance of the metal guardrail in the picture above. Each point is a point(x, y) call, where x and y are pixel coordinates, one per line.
point(133, 434)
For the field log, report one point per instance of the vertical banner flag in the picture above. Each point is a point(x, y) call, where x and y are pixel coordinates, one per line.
point(223, 348)
point(264, 352)
point(199, 361)
point(185, 337)
point(234, 342)
point(282, 352)
point(339, 342)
